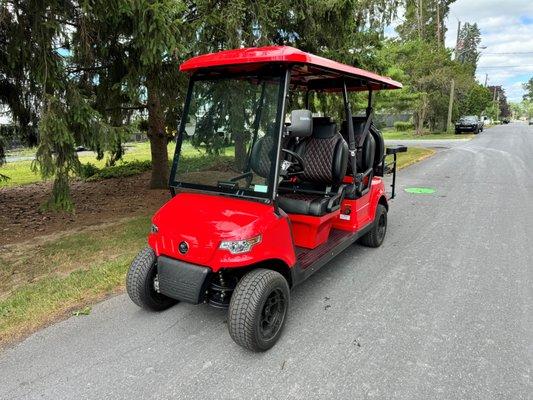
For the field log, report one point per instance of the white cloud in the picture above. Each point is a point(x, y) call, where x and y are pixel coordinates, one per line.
point(506, 27)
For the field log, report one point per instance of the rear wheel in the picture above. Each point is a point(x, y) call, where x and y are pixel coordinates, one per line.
point(258, 309)
point(376, 235)
point(141, 282)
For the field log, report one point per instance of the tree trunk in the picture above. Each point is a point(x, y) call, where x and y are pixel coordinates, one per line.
point(158, 139)
point(421, 114)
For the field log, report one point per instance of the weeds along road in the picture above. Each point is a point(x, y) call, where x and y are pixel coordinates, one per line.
point(443, 310)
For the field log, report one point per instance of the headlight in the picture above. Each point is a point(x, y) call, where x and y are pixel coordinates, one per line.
point(154, 228)
point(240, 246)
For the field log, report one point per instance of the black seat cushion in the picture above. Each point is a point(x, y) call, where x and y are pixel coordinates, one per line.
point(365, 157)
point(302, 203)
point(262, 154)
point(371, 148)
point(325, 154)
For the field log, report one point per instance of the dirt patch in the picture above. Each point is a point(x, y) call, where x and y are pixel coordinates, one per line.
point(96, 203)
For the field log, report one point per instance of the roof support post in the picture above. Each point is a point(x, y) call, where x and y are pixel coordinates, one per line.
point(280, 115)
point(351, 136)
point(369, 107)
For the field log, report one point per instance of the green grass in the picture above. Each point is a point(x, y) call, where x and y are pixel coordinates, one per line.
point(392, 134)
point(20, 172)
point(136, 160)
point(413, 155)
point(55, 278)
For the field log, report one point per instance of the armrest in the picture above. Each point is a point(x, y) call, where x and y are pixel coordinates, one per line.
point(396, 149)
point(334, 202)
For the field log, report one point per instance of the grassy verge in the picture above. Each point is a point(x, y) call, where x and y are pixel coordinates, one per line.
point(20, 172)
point(412, 156)
point(392, 134)
point(136, 161)
point(53, 279)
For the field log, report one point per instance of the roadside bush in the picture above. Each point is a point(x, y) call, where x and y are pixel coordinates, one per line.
point(403, 126)
point(92, 173)
point(88, 170)
point(205, 163)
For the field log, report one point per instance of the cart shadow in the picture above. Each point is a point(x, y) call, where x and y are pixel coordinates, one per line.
point(193, 322)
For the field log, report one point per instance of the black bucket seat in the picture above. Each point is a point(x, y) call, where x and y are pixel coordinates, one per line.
point(325, 156)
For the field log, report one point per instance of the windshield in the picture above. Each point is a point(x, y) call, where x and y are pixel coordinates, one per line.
point(230, 136)
point(469, 118)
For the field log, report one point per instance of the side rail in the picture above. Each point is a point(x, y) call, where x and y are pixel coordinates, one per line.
point(391, 167)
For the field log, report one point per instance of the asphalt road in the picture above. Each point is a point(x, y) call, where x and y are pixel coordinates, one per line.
point(443, 310)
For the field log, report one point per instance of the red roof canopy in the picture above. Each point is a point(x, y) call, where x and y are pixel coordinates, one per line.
point(310, 71)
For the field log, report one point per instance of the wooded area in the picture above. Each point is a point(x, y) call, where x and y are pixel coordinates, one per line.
point(90, 73)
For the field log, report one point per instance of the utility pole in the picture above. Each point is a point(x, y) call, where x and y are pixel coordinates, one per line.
point(450, 107)
point(486, 78)
point(494, 104)
point(498, 107)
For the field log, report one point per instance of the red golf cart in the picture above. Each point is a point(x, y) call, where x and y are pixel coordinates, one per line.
point(266, 190)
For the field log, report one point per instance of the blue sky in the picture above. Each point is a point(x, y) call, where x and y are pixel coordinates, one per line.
point(506, 27)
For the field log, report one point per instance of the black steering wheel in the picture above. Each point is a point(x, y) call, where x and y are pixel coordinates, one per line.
point(293, 167)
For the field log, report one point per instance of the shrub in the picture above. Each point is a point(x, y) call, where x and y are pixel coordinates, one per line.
point(403, 126)
point(88, 170)
point(119, 171)
point(205, 163)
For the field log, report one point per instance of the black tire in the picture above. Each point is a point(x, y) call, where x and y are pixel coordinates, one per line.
point(140, 282)
point(476, 131)
point(457, 132)
point(376, 235)
point(258, 309)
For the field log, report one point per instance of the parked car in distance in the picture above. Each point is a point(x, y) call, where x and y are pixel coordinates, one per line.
point(506, 121)
point(531, 121)
point(469, 123)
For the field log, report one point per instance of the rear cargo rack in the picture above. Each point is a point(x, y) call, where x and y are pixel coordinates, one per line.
point(393, 150)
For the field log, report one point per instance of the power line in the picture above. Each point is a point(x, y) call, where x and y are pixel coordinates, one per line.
point(506, 66)
point(510, 52)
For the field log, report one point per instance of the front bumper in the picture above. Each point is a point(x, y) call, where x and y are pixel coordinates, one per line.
point(182, 281)
point(465, 128)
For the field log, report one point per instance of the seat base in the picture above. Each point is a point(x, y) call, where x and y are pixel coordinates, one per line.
point(310, 231)
point(303, 203)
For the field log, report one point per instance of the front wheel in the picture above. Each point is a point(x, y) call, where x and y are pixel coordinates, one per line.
point(141, 282)
point(376, 235)
point(258, 309)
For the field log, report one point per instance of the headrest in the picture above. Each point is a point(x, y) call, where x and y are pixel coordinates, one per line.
point(301, 123)
point(358, 126)
point(323, 128)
